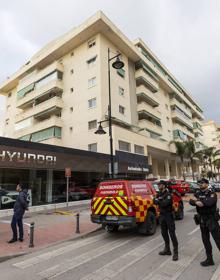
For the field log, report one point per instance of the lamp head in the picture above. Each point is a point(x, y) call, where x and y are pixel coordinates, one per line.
point(118, 64)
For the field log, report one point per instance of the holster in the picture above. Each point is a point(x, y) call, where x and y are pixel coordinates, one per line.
point(197, 219)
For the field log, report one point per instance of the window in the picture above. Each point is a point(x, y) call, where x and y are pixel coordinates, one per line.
point(121, 91)
point(71, 109)
point(139, 149)
point(92, 82)
point(71, 128)
point(23, 124)
point(8, 106)
point(71, 71)
point(121, 72)
point(92, 103)
point(91, 43)
point(72, 54)
point(92, 147)
point(124, 146)
point(6, 121)
point(71, 90)
point(51, 77)
point(121, 109)
point(92, 124)
point(92, 61)
point(168, 119)
point(9, 95)
point(52, 132)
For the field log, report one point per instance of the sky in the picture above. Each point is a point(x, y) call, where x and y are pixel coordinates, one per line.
point(184, 35)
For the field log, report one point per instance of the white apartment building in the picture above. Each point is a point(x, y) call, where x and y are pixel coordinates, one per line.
point(211, 134)
point(59, 96)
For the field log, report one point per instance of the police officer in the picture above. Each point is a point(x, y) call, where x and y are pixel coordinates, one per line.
point(206, 205)
point(167, 223)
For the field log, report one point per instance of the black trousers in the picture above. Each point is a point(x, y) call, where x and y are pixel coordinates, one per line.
point(167, 224)
point(215, 232)
point(17, 221)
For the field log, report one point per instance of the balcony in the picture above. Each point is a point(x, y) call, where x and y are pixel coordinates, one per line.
point(179, 117)
point(145, 107)
point(175, 102)
point(38, 75)
point(141, 80)
point(53, 141)
point(43, 110)
point(38, 126)
point(53, 87)
point(143, 94)
point(150, 126)
point(176, 126)
point(141, 73)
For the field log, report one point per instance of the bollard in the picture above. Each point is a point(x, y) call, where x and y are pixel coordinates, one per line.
point(77, 223)
point(31, 244)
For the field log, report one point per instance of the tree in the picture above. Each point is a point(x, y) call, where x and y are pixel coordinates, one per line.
point(180, 151)
point(190, 153)
point(216, 163)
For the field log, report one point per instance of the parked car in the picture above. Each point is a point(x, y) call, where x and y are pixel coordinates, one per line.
point(193, 186)
point(215, 186)
point(129, 203)
point(7, 199)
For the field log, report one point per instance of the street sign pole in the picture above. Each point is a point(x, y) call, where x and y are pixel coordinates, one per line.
point(67, 175)
point(67, 191)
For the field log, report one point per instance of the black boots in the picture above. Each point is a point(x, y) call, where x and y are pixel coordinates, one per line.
point(166, 251)
point(13, 240)
point(175, 254)
point(209, 261)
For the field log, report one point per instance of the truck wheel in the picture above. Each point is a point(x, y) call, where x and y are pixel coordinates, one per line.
point(150, 224)
point(111, 228)
point(179, 215)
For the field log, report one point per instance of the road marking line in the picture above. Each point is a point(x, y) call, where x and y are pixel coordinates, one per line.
point(193, 231)
point(57, 252)
point(110, 270)
point(62, 268)
point(170, 270)
point(216, 275)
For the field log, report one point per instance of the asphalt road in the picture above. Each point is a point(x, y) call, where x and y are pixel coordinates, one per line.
point(123, 255)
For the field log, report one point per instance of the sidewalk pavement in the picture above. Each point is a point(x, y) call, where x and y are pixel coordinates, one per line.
point(50, 228)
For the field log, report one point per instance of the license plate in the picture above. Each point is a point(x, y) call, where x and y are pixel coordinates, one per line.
point(111, 218)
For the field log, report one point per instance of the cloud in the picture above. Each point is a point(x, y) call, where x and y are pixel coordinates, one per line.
point(183, 34)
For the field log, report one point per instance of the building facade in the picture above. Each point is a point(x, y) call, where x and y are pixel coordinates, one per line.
point(211, 134)
point(60, 95)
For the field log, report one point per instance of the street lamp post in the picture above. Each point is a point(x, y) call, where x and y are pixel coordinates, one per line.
point(117, 64)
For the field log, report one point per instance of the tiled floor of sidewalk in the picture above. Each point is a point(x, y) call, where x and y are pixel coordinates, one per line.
point(49, 229)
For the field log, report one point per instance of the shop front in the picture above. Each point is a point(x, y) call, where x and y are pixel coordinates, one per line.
point(41, 169)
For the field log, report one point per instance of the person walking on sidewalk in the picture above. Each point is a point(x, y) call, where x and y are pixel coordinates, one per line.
point(207, 217)
point(20, 206)
point(165, 202)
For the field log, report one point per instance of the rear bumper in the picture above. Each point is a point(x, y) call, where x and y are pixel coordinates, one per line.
point(122, 220)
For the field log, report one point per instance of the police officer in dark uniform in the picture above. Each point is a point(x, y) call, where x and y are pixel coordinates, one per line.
point(167, 222)
point(207, 216)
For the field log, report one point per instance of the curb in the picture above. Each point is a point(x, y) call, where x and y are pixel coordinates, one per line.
point(9, 257)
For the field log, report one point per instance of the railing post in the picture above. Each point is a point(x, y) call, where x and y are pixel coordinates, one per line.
point(31, 244)
point(77, 223)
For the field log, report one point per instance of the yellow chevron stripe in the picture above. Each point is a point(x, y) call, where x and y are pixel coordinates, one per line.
point(97, 201)
point(109, 213)
point(100, 207)
point(104, 210)
point(114, 210)
point(120, 209)
point(122, 202)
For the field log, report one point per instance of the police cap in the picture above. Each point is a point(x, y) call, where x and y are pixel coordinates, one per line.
point(162, 182)
point(203, 180)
